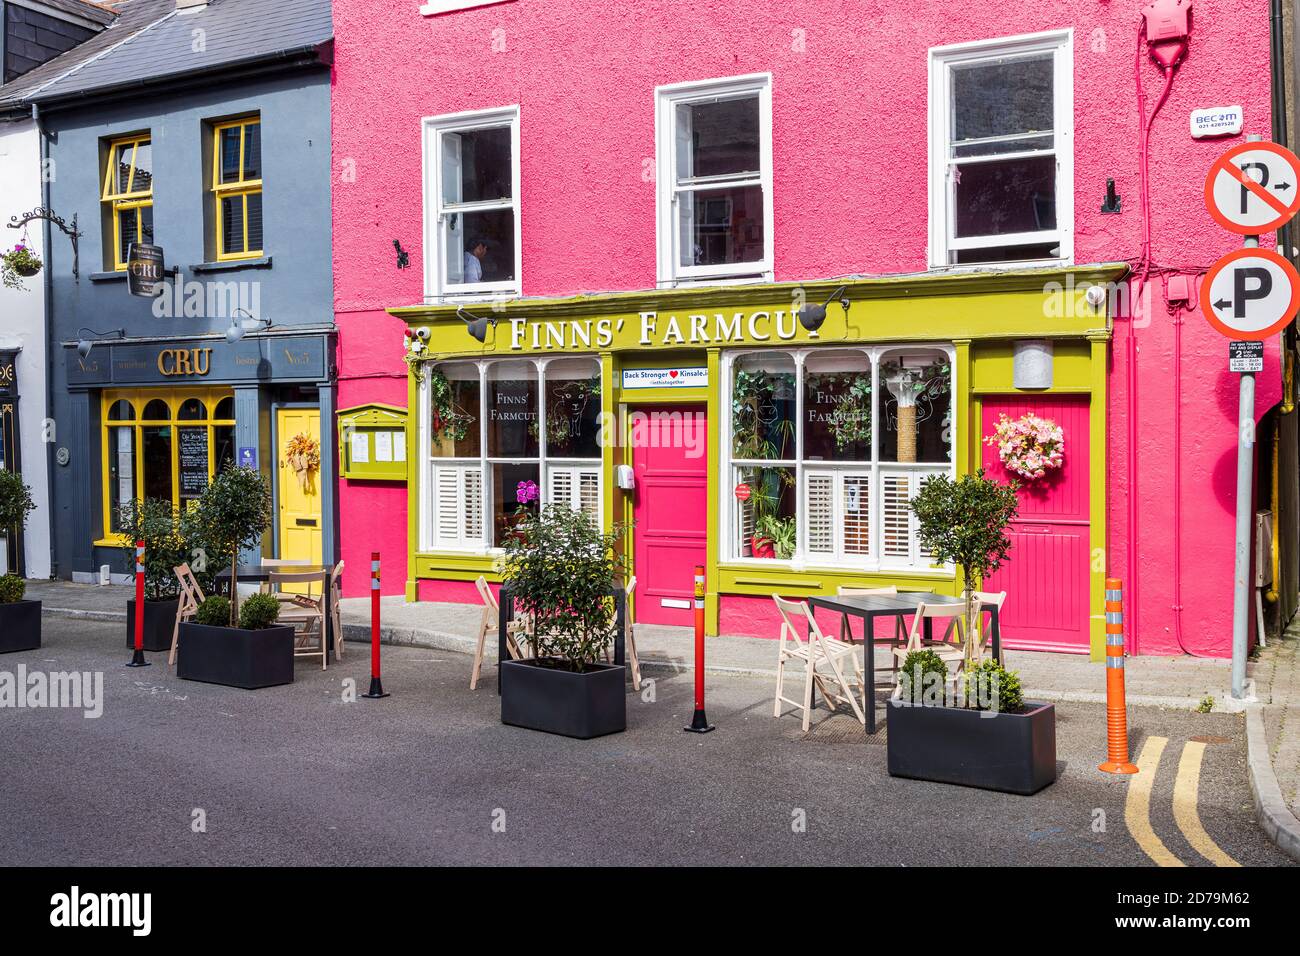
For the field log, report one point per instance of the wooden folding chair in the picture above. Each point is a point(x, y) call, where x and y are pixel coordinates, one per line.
point(304, 610)
point(489, 624)
point(265, 586)
point(190, 599)
point(818, 649)
point(987, 600)
point(336, 608)
point(949, 653)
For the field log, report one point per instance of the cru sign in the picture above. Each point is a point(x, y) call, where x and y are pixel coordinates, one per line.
point(144, 269)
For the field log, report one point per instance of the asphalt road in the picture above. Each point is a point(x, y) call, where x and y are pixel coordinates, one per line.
point(296, 775)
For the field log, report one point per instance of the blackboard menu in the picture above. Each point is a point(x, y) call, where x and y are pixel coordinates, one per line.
point(193, 461)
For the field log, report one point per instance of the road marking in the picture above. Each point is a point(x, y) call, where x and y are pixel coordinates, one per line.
point(1137, 807)
point(1186, 788)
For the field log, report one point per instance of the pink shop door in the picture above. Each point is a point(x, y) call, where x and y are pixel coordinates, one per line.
point(670, 460)
point(1046, 574)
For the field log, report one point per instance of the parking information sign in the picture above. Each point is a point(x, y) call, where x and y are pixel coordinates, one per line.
point(1250, 294)
point(1245, 356)
point(1253, 188)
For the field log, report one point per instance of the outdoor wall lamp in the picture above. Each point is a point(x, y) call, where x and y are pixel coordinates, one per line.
point(812, 317)
point(238, 328)
point(84, 345)
point(478, 326)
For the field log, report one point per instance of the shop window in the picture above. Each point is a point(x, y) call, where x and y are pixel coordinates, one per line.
point(537, 452)
point(1001, 117)
point(127, 197)
point(824, 480)
point(472, 203)
point(237, 188)
point(715, 179)
point(169, 452)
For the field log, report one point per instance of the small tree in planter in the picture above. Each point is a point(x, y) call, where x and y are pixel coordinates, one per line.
point(561, 570)
point(232, 514)
point(965, 522)
point(20, 621)
point(155, 522)
point(257, 653)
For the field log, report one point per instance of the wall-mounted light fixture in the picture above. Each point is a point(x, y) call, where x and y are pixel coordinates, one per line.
point(84, 345)
point(812, 317)
point(478, 325)
point(239, 328)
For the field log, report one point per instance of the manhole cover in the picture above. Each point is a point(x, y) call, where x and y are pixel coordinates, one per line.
point(1210, 739)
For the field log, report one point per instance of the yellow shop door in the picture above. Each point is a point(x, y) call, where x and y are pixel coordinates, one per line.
point(300, 512)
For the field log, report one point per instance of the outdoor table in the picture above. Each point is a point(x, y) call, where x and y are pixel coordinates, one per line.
point(871, 606)
point(261, 574)
point(507, 609)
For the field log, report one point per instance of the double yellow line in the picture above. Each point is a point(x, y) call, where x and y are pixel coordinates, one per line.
point(1137, 808)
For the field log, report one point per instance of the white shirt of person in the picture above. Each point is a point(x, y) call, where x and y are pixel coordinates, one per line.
point(473, 268)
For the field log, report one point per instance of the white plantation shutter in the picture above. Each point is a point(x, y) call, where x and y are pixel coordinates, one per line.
point(560, 486)
point(855, 497)
point(896, 516)
point(458, 506)
point(925, 556)
point(589, 493)
point(473, 504)
point(575, 487)
point(820, 512)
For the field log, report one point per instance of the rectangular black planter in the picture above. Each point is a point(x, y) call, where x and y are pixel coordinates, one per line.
point(556, 701)
point(159, 621)
point(20, 626)
point(1014, 753)
point(235, 657)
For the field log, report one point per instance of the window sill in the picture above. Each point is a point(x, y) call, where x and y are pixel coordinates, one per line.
point(116, 276)
point(788, 567)
point(431, 8)
point(231, 265)
point(692, 281)
point(111, 542)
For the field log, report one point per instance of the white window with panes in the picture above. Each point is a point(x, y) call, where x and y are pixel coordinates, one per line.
point(827, 449)
point(1002, 151)
point(504, 438)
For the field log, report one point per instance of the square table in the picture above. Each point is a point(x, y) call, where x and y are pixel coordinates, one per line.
point(871, 606)
point(507, 611)
point(261, 574)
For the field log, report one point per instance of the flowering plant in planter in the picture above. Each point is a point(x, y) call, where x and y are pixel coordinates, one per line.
point(17, 264)
point(1028, 446)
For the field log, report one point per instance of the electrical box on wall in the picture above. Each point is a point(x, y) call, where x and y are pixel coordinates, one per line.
point(1167, 19)
point(624, 477)
point(372, 442)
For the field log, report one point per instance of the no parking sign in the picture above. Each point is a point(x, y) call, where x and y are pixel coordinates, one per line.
point(1254, 188)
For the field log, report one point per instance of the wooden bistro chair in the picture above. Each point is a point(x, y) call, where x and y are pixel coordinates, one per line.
point(489, 624)
point(336, 608)
point(190, 599)
point(265, 586)
point(949, 652)
point(816, 651)
point(987, 600)
point(304, 612)
point(634, 663)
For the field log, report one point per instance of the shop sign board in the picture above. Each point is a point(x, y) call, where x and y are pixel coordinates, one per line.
point(1216, 121)
point(274, 358)
point(665, 378)
point(144, 269)
point(1253, 188)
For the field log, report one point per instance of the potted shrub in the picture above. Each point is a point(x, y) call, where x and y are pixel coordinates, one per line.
point(155, 522)
point(233, 513)
point(562, 572)
point(257, 653)
point(17, 264)
point(982, 734)
point(20, 620)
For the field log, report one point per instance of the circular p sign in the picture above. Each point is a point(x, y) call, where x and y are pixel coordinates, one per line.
point(1254, 188)
point(1250, 294)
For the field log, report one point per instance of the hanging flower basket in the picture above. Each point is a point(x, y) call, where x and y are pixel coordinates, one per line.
point(1029, 446)
point(303, 455)
point(19, 263)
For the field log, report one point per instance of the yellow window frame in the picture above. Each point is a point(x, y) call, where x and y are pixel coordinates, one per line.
point(140, 398)
point(239, 187)
point(131, 200)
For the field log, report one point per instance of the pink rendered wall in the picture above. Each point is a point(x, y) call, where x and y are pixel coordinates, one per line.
point(850, 160)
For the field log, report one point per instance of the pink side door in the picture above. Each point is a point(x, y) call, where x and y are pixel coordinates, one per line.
point(1046, 575)
point(670, 461)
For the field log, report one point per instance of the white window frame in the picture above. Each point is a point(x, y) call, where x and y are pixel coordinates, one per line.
point(942, 242)
point(668, 233)
point(430, 541)
point(917, 562)
point(436, 287)
point(432, 8)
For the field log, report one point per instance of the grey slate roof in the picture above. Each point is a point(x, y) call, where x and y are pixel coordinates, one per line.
point(151, 41)
point(91, 10)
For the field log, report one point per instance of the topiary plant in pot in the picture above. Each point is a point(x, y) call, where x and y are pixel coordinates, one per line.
point(20, 620)
point(233, 513)
point(561, 572)
point(154, 521)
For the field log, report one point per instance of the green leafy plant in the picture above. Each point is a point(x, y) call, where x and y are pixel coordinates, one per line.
point(204, 559)
point(561, 569)
point(780, 531)
point(990, 686)
point(15, 501)
point(259, 611)
point(214, 612)
point(447, 419)
point(1206, 705)
point(12, 588)
point(17, 264)
point(233, 513)
point(912, 676)
point(754, 437)
point(157, 523)
point(965, 522)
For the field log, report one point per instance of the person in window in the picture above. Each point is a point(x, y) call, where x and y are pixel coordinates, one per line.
point(474, 260)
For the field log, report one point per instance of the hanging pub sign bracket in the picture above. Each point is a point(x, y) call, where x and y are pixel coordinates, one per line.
point(40, 212)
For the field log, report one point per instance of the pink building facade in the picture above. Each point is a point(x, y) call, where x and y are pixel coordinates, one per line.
point(871, 130)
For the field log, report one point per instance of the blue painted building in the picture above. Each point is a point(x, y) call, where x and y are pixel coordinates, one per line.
point(202, 129)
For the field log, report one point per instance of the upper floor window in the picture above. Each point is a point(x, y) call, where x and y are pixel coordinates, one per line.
point(128, 196)
point(237, 188)
point(1001, 151)
point(714, 147)
point(471, 236)
point(431, 7)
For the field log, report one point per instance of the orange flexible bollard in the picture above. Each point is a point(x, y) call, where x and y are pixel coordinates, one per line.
point(699, 722)
point(137, 659)
point(1116, 709)
point(376, 685)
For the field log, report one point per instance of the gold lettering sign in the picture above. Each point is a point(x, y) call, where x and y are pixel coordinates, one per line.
point(174, 362)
